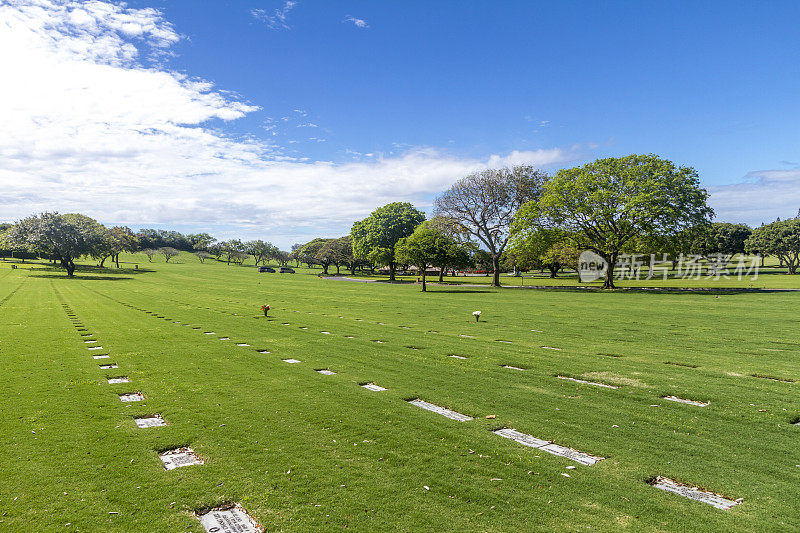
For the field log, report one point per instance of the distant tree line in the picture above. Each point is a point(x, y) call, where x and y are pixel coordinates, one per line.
point(510, 219)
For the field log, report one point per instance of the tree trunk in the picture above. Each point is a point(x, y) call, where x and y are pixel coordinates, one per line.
point(553, 268)
point(102, 261)
point(69, 266)
point(116, 260)
point(424, 286)
point(325, 269)
point(608, 282)
point(391, 270)
point(337, 269)
point(441, 274)
point(496, 267)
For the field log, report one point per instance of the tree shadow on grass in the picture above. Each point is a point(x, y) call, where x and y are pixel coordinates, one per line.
point(459, 291)
point(81, 278)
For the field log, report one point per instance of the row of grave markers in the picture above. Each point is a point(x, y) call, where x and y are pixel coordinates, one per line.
point(227, 518)
point(186, 457)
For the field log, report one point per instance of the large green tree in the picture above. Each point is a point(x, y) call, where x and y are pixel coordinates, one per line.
point(781, 239)
point(375, 237)
point(484, 205)
point(65, 237)
point(612, 201)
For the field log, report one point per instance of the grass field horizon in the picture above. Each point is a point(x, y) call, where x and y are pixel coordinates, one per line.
point(300, 450)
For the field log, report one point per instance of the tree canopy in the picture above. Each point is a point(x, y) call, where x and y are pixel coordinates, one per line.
point(781, 239)
point(483, 204)
point(611, 201)
point(375, 237)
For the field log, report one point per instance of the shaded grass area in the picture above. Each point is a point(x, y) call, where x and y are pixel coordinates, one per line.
point(301, 450)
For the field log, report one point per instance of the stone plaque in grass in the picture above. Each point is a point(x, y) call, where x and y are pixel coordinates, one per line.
point(108, 367)
point(457, 356)
point(209, 333)
point(327, 372)
point(569, 453)
point(131, 397)
point(104, 356)
point(522, 438)
point(373, 387)
point(90, 342)
point(467, 336)
point(242, 344)
point(264, 351)
point(291, 361)
point(229, 519)
point(152, 421)
point(179, 457)
point(224, 338)
point(95, 347)
point(694, 493)
point(585, 382)
point(325, 332)
point(688, 402)
point(449, 413)
point(119, 379)
point(551, 348)
point(510, 367)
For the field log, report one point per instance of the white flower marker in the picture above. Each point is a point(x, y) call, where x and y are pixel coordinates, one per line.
point(477, 315)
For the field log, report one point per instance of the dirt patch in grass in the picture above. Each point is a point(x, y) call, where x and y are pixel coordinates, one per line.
point(676, 363)
point(614, 379)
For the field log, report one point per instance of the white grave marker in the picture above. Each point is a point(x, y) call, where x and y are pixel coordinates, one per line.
point(325, 332)
point(453, 415)
point(107, 367)
point(224, 338)
point(513, 367)
point(89, 342)
point(551, 348)
point(373, 387)
point(232, 519)
point(150, 421)
point(688, 402)
point(209, 333)
point(95, 347)
point(595, 383)
point(291, 361)
point(179, 457)
point(522, 438)
point(100, 357)
point(457, 356)
point(242, 344)
point(131, 397)
point(264, 351)
point(694, 493)
point(121, 379)
point(327, 372)
point(467, 336)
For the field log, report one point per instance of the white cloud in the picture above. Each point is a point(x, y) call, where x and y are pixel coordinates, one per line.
point(360, 23)
point(762, 197)
point(276, 19)
point(86, 127)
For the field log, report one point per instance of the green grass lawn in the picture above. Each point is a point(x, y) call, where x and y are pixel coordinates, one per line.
point(305, 451)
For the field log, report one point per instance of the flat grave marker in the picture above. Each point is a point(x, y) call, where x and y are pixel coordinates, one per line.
point(327, 372)
point(325, 332)
point(224, 338)
point(243, 344)
point(506, 342)
point(95, 347)
point(179, 457)
point(108, 367)
point(694, 493)
point(466, 336)
point(373, 387)
point(90, 342)
point(104, 356)
point(290, 360)
point(688, 402)
point(449, 413)
point(522, 438)
point(131, 397)
point(229, 519)
point(456, 356)
point(551, 348)
point(513, 367)
point(209, 333)
point(264, 351)
point(120, 379)
point(547, 446)
point(585, 382)
point(153, 421)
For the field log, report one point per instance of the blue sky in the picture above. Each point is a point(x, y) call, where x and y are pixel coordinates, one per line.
point(310, 100)
point(709, 84)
